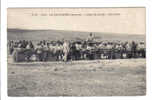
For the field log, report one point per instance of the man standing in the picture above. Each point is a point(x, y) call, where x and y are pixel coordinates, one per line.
point(66, 50)
point(90, 37)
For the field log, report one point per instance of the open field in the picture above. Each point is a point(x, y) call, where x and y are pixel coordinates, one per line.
point(125, 77)
point(22, 34)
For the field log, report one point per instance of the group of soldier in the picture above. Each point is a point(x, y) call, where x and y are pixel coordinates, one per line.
point(74, 50)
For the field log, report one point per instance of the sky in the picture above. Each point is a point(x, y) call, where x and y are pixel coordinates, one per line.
point(110, 20)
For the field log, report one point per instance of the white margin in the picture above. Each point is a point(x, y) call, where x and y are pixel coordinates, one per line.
point(80, 3)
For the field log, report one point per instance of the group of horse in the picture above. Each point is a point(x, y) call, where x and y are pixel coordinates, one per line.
point(74, 50)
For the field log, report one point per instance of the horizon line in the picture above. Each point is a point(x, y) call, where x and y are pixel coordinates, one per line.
point(73, 31)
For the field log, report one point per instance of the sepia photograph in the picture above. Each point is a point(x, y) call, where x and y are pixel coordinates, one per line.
point(76, 51)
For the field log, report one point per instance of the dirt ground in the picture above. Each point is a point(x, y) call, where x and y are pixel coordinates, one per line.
point(126, 77)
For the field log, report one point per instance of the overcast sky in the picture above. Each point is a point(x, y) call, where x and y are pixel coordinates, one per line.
point(122, 20)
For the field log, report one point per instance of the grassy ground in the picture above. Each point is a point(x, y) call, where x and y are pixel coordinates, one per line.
point(125, 77)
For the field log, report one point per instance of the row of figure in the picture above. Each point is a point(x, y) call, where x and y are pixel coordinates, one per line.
point(76, 50)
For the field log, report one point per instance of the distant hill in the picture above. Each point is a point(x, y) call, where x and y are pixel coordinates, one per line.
point(21, 34)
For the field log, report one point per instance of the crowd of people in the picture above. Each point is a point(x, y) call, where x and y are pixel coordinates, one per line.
point(65, 50)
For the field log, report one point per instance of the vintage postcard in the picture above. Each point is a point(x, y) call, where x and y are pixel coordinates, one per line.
point(76, 51)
